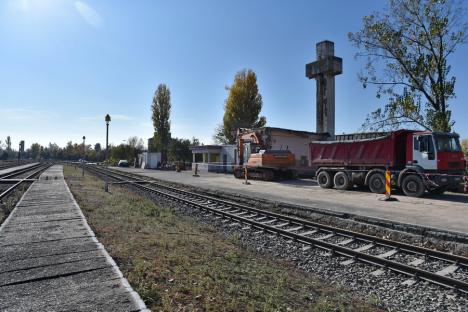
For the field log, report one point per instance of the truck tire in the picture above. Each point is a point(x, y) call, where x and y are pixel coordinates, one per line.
point(413, 186)
point(377, 183)
point(341, 181)
point(324, 179)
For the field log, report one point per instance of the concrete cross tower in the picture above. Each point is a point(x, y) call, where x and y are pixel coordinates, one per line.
point(324, 71)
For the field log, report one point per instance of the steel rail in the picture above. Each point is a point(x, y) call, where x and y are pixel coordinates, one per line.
point(19, 171)
point(41, 167)
point(12, 163)
point(426, 252)
point(408, 270)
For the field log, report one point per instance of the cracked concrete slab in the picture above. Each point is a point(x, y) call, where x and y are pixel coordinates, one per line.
point(50, 260)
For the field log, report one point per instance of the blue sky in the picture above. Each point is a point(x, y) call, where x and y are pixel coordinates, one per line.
point(64, 64)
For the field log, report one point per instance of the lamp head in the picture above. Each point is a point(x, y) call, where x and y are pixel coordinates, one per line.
point(108, 119)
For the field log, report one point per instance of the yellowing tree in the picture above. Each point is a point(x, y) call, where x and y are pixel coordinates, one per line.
point(241, 108)
point(464, 144)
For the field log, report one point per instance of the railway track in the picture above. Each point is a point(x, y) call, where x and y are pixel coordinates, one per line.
point(13, 179)
point(417, 263)
point(11, 163)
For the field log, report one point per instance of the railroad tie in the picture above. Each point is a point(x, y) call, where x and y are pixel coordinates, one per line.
point(326, 236)
point(448, 270)
point(297, 228)
point(346, 241)
point(360, 249)
point(281, 225)
point(347, 262)
point(309, 232)
point(269, 221)
point(365, 247)
point(378, 272)
point(416, 262)
point(410, 282)
point(388, 253)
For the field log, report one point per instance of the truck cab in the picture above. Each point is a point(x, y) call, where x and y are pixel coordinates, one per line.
point(438, 155)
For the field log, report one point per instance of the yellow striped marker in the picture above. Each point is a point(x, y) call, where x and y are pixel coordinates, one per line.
point(388, 188)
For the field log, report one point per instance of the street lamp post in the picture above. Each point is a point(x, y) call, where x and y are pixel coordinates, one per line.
point(84, 156)
point(107, 119)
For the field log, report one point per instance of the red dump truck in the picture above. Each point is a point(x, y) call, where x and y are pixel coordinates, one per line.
point(418, 161)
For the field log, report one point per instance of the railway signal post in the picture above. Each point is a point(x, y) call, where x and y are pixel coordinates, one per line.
point(107, 119)
point(84, 156)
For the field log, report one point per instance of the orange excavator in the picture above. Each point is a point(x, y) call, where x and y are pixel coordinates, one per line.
point(262, 163)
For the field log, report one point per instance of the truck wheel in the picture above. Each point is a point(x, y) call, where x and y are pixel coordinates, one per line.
point(413, 186)
point(377, 183)
point(324, 179)
point(341, 181)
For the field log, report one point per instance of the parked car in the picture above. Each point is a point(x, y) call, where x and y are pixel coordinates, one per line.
point(122, 163)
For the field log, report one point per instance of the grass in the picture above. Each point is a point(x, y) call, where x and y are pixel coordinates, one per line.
point(177, 264)
point(8, 203)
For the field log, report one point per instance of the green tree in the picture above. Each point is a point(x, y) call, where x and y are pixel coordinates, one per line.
point(35, 151)
point(179, 150)
point(241, 108)
point(8, 143)
point(195, 142)
point(161, 109)
point(406, 51)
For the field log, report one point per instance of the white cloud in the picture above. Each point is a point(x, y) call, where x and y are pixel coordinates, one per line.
point(25, 114)
point(88, 13)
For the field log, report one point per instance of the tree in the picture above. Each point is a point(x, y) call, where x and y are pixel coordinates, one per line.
point(179, 150)
point(464, 144)
point(241, 108)
point(161, 108)
point(8, 143)
point(136, 143)
point(97, 147)
point(35, 151)
point(195, 142)
point(406, 51)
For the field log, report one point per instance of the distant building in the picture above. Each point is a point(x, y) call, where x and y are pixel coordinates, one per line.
point(270, 138)
point(214, 158)
point(147, 160)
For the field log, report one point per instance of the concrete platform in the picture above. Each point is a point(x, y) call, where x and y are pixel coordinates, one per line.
point(50, 259)
point(448, 212)
point(8, 170)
